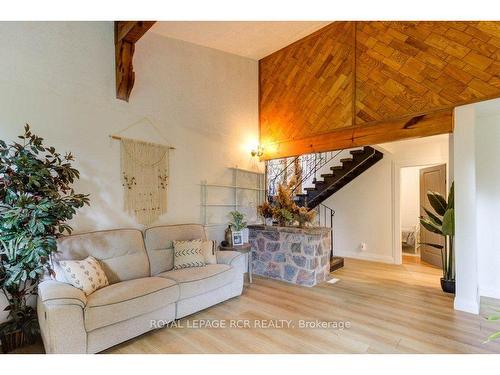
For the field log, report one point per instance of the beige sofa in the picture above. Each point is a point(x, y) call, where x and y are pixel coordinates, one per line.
point(143, 287)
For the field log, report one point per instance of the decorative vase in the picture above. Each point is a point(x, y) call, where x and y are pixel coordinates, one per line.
point(448, 286)
point(228, 236)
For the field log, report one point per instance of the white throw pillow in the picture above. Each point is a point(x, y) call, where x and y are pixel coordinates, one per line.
point(188, 254)
point(208, 249)
point(86, 274)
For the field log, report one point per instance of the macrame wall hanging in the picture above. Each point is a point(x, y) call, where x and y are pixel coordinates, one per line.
point(145, 178)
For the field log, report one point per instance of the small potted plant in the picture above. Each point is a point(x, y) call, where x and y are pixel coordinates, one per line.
point(442, 222)
point(36, 200)
point(239, 226)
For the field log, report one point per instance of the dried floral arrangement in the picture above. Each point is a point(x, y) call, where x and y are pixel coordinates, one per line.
point(284, 209)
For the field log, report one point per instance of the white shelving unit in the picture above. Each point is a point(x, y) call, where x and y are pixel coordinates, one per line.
point(237, 185)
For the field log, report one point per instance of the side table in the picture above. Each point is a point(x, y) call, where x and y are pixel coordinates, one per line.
point(246, 248)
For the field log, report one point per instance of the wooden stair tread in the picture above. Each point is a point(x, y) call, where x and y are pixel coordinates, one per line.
point(357, 152)
point(350, 169)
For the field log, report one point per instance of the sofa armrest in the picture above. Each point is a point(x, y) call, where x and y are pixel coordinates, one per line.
point(57, 293)
point(234, 259)
point(60, 309)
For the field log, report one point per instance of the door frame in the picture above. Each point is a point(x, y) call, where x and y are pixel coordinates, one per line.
point(397, 247)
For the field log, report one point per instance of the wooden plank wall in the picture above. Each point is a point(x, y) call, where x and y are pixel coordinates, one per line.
point(359, 83)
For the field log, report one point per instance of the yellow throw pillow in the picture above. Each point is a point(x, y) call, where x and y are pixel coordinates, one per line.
point(208, 249)
point(188, 254)
point(86, 274)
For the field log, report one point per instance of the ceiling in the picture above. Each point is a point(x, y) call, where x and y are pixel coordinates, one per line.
point(252, 39)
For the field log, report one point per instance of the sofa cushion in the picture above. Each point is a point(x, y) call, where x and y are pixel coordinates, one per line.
point(188, 254)
point(86, 274)
point(128, 299)
point(159, 243)
point(209, 249)
point(121, 253)
point(199, 280)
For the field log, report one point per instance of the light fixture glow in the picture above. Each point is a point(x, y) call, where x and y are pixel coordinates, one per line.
point(258, 151)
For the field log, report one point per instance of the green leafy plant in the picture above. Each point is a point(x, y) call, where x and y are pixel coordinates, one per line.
point(238, 222)
point(442, 222)
point(495, 335)
point(284, 217)
point(36, 200)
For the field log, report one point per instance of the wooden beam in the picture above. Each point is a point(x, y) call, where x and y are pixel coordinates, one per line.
point(364, 135)
point(127, 33)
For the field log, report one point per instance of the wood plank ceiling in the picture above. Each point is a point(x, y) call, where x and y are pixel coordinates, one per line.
point(360, 83)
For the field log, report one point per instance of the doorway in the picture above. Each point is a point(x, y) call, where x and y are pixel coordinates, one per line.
point(431, 179)
point(415, 182)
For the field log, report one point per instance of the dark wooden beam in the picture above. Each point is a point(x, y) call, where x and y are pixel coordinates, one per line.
point(127, 33)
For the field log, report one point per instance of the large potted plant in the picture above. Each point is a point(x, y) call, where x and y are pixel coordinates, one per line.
point(36, 200)
point(442, 222)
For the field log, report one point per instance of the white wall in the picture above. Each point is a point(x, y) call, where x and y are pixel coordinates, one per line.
point(477, 203)
point(410, 196)
point(60, 78)
point(366, 210)
point(464, 159)
point(487, 132)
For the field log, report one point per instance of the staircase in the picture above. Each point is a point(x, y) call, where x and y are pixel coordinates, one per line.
point(317, 191)
point(340, 175)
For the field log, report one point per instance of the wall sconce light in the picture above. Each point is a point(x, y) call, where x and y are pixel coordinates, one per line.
point(259, 151)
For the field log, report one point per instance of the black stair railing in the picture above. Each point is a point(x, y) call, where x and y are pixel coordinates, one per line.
point(353, 171)
point(279, 170)
point(326, 158)
point(275, 173)
point(326, 215)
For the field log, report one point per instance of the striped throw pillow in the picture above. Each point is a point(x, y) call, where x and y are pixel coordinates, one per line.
point(188, 254)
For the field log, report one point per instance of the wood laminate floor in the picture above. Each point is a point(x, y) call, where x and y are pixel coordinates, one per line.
point(389, 309)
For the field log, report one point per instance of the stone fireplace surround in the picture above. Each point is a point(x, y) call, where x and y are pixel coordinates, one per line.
point(295, 255)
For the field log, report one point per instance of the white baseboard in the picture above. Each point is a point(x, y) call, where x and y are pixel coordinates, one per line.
point(366, 256)
point(467, 305)
point(490, 293)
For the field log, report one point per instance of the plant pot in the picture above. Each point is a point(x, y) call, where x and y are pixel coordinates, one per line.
point(15, 339)
point(244, 234)
point(448, 286)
